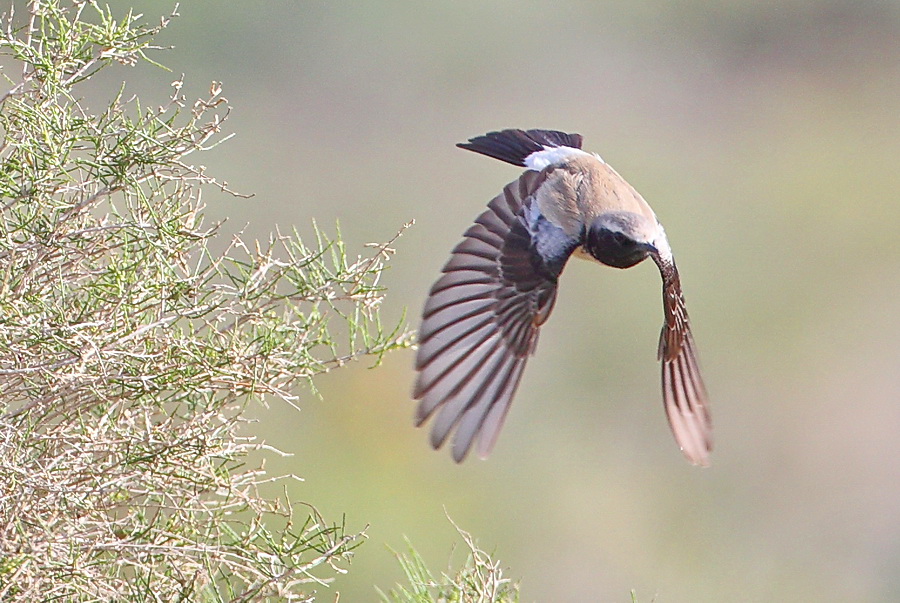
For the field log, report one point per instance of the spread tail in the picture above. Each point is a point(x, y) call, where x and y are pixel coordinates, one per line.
point(514, 146)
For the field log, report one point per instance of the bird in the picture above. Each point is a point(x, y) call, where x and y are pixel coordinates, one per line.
point(482, 317)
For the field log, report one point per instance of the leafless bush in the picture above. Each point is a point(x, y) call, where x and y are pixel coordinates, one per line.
point(128, 350)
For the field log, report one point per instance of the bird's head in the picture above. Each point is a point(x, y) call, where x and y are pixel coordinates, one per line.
point(621, 239)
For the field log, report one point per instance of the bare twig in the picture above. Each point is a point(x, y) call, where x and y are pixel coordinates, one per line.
point(129, 350)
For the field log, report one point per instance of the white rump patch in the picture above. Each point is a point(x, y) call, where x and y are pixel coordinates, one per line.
point(538, 160)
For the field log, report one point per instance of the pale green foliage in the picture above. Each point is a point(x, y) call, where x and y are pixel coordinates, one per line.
point(479, 580)
point(129, 349)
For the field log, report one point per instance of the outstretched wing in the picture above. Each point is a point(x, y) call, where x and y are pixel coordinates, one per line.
point(482, 318)
point(684, 393)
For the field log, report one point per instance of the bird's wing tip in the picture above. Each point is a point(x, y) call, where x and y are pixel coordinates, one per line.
point(702, 460)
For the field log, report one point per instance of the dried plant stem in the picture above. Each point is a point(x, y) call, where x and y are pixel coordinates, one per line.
point(129, 351)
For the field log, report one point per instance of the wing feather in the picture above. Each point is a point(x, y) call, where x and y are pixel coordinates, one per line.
point(684, 393)
point(480, 322)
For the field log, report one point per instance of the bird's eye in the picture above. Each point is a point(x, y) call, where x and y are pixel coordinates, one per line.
point(621, 238)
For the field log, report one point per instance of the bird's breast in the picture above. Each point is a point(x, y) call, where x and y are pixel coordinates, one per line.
point(582, 254)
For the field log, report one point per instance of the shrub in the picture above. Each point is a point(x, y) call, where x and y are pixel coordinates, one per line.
point(129, 349)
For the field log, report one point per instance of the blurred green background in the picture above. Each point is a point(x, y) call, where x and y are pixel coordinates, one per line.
point(765, 134)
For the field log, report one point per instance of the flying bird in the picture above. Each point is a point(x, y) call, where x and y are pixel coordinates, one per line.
point(483, 315)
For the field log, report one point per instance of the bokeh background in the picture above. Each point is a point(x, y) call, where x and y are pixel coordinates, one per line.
point(766, 134)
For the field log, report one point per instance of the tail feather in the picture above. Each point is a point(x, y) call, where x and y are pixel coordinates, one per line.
point(513, 146)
